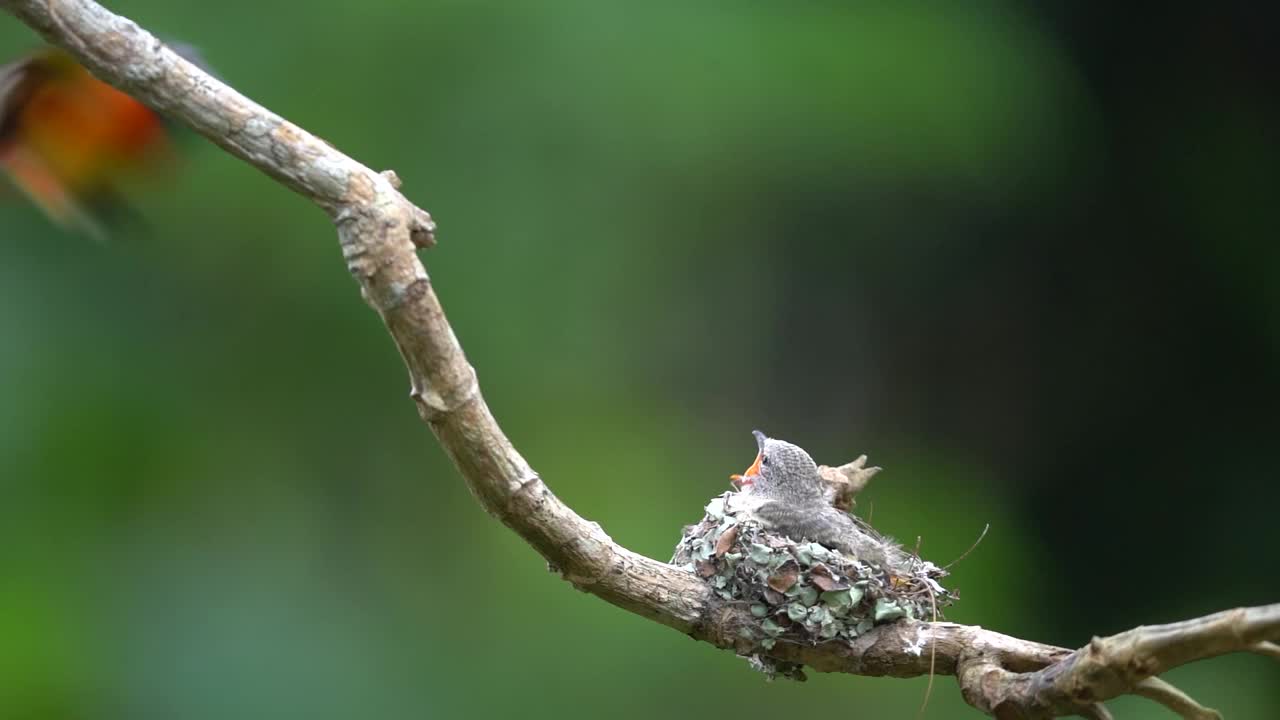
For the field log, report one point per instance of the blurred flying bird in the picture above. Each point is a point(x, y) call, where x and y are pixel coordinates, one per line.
point(68, 140)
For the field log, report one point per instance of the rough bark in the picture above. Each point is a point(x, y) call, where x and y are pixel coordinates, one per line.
point(379, 231)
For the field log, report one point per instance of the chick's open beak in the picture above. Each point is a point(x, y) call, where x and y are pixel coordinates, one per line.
point(746, 478)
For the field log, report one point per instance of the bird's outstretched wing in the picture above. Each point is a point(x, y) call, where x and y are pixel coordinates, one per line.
point(18, 80)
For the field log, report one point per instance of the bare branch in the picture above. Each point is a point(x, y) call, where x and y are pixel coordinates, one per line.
point(1117, 665)
point(1267, 649)
point(379, 229)
point(1174, 699)
point(1151, 650)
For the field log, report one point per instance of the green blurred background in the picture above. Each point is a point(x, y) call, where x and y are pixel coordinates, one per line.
point(1022, 255)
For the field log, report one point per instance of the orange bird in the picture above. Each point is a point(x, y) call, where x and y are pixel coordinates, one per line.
point(68, 139)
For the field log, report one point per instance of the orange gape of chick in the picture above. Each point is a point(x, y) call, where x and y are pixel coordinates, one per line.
point(67, 138)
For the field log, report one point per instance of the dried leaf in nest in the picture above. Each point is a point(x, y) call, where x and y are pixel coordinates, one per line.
point(825, 579)
point(773, 596)
point(706, 568)
point(727, 538)
point(786, 576)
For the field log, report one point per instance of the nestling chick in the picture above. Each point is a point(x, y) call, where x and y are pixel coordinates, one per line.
point(793, 502)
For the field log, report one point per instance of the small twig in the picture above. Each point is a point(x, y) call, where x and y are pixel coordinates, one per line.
point(1171, 697)
point(847, 481)
point(1096, 711)
point(933, 653)
point(972, 547)
point(1266, 649)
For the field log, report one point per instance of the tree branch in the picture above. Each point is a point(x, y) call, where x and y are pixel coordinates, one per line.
point(379, 229)
point(1174, 699)
point(1269, 649)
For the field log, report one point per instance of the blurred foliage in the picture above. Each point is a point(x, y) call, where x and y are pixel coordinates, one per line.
point(1024, 256)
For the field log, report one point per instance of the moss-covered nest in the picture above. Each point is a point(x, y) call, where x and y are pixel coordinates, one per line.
point(799, 591)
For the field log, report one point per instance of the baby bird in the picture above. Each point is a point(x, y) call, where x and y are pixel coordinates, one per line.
point(784, 478)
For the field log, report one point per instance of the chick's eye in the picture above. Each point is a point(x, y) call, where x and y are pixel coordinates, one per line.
point(764, 459)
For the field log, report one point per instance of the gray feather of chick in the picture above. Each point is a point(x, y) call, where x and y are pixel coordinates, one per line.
point(789, 497)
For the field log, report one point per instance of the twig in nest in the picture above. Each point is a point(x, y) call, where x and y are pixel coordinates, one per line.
point(972, 547)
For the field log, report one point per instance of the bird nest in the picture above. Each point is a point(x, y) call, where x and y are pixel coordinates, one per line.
point(799, 591)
